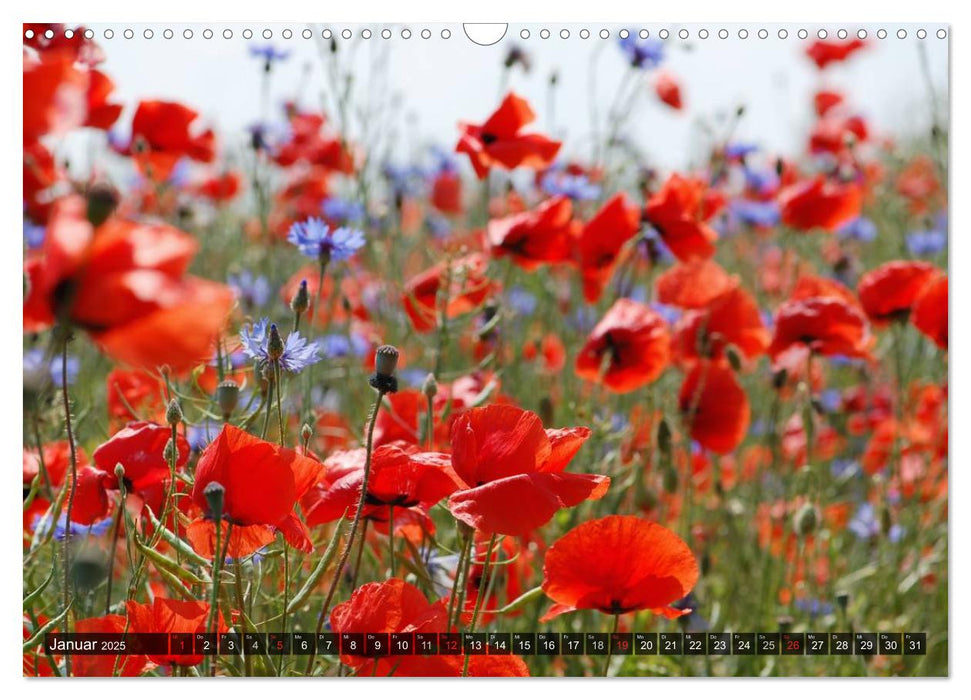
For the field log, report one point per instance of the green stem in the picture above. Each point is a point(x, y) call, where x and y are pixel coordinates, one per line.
point(610, 644)
point(345, 554)
point(70, 499)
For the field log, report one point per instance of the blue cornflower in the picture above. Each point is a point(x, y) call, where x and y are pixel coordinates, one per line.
point(315, 239)
point(670, 314)
point(439, 227)
point(199, 435)
point(252, 291)
point(642, 53)
point(844, 468)
point(926, 243)
point(866, 525)
point(34, 235)
point(831, 400)
point(860, 229)
point(62, 529)
point(338, 345)
point(523, 302)
point(734, 151)
point(814, 606)
point(297, 353)
point(343, 211)
point(576, 187)
point(755, 213)
point(268, 53)
point(761, 181)
point(39, 368)
point(404, 179)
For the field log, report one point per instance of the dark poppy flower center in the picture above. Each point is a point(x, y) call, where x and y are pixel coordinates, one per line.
point(488, 138)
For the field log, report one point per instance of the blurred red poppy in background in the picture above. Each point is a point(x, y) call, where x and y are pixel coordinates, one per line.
point(158, 315)
point(680, 211)
point(600, 242)
point(929, 314)
point(162, 133)
point(616, 565)
point(823, 52)
point(820, 203)
point(825, 325)
point(715, 406)
point(467, 288)
point(629, 348)
point(532, 238)
point(513, 470)
point(732, 318)
point(500, 141)
point(262, 483)
point(667, 89)
point(693, 284)
point(888, 292)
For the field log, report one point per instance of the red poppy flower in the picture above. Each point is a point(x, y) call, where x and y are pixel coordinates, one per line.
point(446, 195)
point(600, 242)
point(732, 318)
point(162, 133)
point(667, 89)
point(139, 448)
point(513, 470)
point(808, 286)
point(468, 287)
point(55, 95)
point(157, 314)
point(824, 52)
point(220, 188)
point(820, 203)
point(532, 238)
point(167, 616)
point(41, 174)
point(889, 291)
point(104, 664)
point(262, 482)
point(930, 311)
point(394, 606)
point(715, 406)
point(101, 113)
point(401, 477)
point(634, 343)
point(918, 183)
point(310, 142)
point(499, 142)
point(825, 100)
point(825, 325)
point(832, 134)
point(693, 284)
point(616, 565)
point(680, 211)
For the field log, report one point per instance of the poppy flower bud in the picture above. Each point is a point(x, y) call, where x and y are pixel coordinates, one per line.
point(227, 396)
point(173, 414)
point(842, 600)
point(806, 519)
point(779, 378)
point(170, 453)
point(88, 570)
point(301, 300)
point(102, 201)
point(664, 437)
point(546, 410)
point(215, 494)
point(886, 520)
point(733, 359)
point(429, 387)
point(670, 480)
point(120, 477)
point(274, 343)
point(785, 623)
point(385, 363)
point(306, 432)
